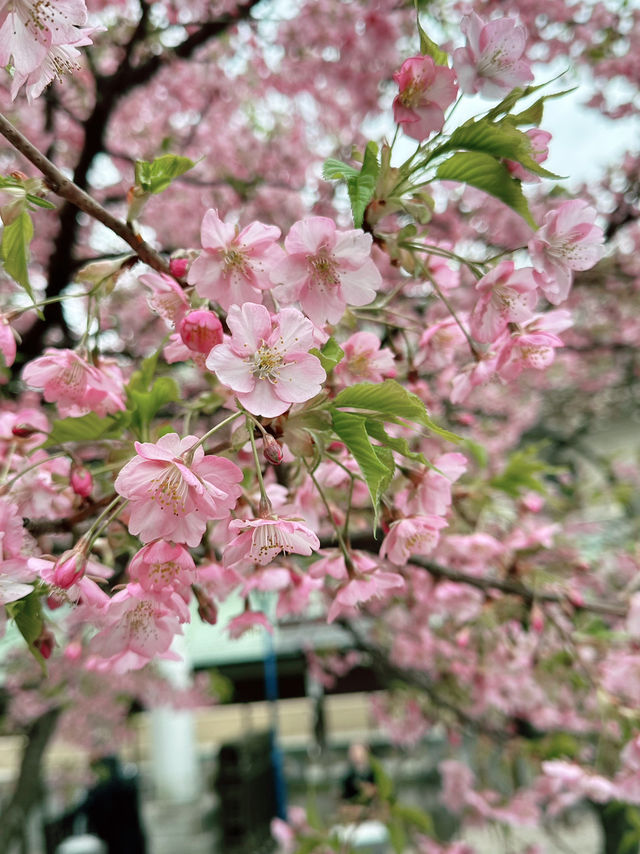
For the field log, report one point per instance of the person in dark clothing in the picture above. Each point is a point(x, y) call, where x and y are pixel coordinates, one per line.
point(112, 809)
point(359, 784)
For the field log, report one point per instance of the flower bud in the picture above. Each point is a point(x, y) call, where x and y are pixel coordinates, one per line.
point(178, 267)
point(81, 481)
point(207, 610)
point(23, 431)
point(201, 330)
point(73, 651)
point(272, 450)
point(69, 568)
point(45, 642)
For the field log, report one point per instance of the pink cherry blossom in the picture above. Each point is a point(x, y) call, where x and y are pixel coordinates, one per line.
point(161, 566)
point(7, 343)
point(75, 385)
point(261, 540)
point(533, 346)
point(138, 626)
point(167, 297)
point(567, 240)
point(364, 361)
point(326, 269)
point(431, 493)
point(172, 496)
point(539, 151)
point(426, 90)
point(415, 535)
point(491, 62)
point(235, 265)
point(246, 621)
point(507, 296)
point(360, 588)
point(266, 361)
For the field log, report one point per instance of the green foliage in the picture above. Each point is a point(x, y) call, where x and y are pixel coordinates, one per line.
point(155, 176)
point(523, 472)
point(330, 355)
point(358, 415)
point(27, 614)
point(484, 172)
point(429, 47)
point(361, 183)
point(500, 139)
point(145, 399)
point(87, 428)
point(16, 238)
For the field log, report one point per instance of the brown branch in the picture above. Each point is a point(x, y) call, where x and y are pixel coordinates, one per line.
point(73, 194)
point(487, 585)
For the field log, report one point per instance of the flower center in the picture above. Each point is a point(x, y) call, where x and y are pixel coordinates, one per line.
point(165, 572)
point(170, 491)
point(410, 96)
point(323, 270)
point(267, 362)
point(235, 261)
point(139, 618)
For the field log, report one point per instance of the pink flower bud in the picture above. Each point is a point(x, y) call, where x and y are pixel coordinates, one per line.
point(73, 652)
point(23, 431)
point(272, 450)
point(178, 267)
point(537, 619)
point(69, 568)
point(45, 642)
point(201, 330)
point(207, 610)
point(81, 481)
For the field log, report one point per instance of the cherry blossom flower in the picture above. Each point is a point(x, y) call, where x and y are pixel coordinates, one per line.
point(364, 361)
point(161, 566)
point(426, 90)
point(507, 296)
point(7, 343)
point(167, 297)
point(40, 39)
point(491, 62)
point(533, 346)
point(76, 386)
point(173, 498)
point(539, 151)
point(359, 589)
point(260, 540)
point(431, 493)
point(266, 361)
point(235, 265)
point(326, 269)
point(137, 626)
point(246, 621)
point(567, 240)
point(415, 535)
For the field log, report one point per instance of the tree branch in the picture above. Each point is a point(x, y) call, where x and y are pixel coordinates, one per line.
point(73, 194)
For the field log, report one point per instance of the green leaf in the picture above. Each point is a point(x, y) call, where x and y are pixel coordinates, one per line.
point(523, 473)
point(40, 202)
point(383, 781)
point(398, 836)
point(145, 404)
point(376, 430)
point(27, 614)
point(155, 176)
point(430, 48)
point(361, 190)
point(484, 172)
point(375, 463)
point(16, 238)
point(333, 170)
point(87, 428)
point(330, 355)
point(141, 379)
point(500, 139)
point(391, 402)
point(413, 816)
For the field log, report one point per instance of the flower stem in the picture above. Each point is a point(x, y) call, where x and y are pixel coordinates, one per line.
point(265, 504)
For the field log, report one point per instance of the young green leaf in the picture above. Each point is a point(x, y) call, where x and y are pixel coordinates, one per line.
point(336, 170)
point(330, 355)
point(16, 238)
point(156, 175)
point(87, 428)
point(484, 172)
point(430, 48)
point(27, 614)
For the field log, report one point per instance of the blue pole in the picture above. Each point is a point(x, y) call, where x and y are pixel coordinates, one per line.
point(271, 691)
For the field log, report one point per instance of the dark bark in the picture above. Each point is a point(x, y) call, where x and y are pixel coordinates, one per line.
point(109, 90)
point(28, 788)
